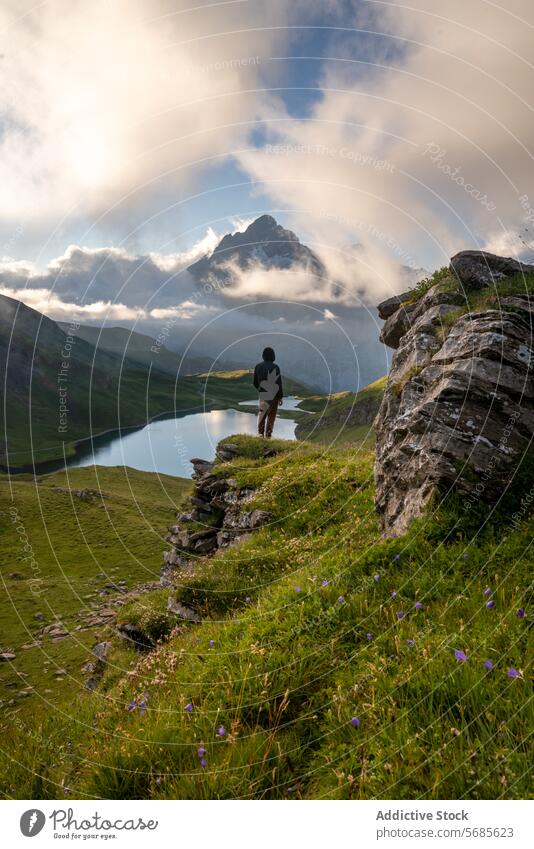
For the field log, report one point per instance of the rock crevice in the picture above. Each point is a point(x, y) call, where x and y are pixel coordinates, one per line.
point(217, 517)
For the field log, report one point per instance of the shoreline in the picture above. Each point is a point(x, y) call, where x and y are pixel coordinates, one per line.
point(86, 444)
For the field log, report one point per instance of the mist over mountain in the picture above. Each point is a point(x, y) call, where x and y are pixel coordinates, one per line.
point(259, 285)
point(264, 243)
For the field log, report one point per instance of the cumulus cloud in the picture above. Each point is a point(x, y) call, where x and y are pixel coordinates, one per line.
point(425, 145)
point(102, 102)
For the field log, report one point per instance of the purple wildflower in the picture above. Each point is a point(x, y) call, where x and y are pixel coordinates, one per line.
point(394, 594)
point(142, 706)
point(513, 673)
point(369, 635)
point(400, 614)
point(376, 577)
point(488, 591)
point(212, 642)
point(66, 789)
point(521, 613)
point(298, 589)
point(411, 642)
point(324, 582)
point(418, 605)
point(188, 707)
point(355, 722)
point(341, 599)
point(490, 605)
point(221, 731)
point(397, 557)
point(460, 655)
point(201, 751)
point(203, 763)
point(158, 780)
point(131, 706)
point(488, 664)
point(248, 599)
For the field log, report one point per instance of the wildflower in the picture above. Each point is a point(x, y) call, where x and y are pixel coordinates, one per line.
point(460, 655)
point(212, 642)
point(142, 706)
point(298, 589)
point(521, 613)
point(203, 763)
point(188, 707)
point(397, 557)
point(393, 594)
point(66, 789)
point(341, 599)
point(131, 706)
point(376, 577)
point(221, 731)
point(411, 642)
point(418, 605)
point(513, 673)
point(158, 780)
point(355, 722)
point(324, 582)
point(488, 591)
point(248, 599)
point(400, 614)
point(488, 664)
point(369, 636)
point(490, 605)
point(201, 751)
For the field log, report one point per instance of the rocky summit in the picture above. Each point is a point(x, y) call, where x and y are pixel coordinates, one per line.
point(458, 409)
point(265, 244)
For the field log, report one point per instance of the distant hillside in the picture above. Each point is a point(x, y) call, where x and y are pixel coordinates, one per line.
point(57, 389)
point(142, 350)
point(346, 417)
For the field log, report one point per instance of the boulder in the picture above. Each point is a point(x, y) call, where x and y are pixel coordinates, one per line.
point(179, 609)
point(477, 269)
point(391, 305)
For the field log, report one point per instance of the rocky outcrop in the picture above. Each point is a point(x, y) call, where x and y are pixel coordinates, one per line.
point(478, 269)
point(217, 517)
point(458, 412)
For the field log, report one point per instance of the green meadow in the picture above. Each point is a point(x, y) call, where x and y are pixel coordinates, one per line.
point(329, 663)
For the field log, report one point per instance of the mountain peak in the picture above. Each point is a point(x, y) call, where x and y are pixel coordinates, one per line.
point(264, 243)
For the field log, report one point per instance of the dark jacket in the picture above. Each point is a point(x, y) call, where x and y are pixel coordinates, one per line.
point(269, 385)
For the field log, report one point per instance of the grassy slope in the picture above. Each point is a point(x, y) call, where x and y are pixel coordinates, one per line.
point(343, 418)
point(137, 347)
point(76, 547)
point(288, 670)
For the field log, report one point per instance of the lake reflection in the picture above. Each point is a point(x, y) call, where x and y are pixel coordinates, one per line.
point(167, 446)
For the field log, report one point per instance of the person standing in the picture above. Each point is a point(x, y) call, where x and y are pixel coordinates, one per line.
point(268, 382)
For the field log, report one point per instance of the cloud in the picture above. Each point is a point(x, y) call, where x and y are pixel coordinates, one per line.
point(101, 103)
point(86, 276)
point(423, 137)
